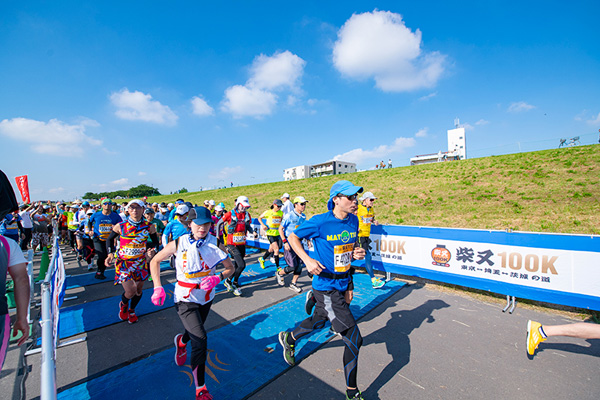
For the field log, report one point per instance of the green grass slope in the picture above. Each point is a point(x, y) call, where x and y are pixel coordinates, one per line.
point(545, 191)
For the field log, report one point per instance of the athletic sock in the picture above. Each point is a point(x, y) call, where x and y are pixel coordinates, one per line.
point(134, 301)
point(351, 392)
point(541, 329)
point(124, 299)
point(277, 261)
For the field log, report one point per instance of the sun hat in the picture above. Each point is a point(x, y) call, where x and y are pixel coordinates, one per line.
point(367, 195)
point(243, 200)
point(300, 199)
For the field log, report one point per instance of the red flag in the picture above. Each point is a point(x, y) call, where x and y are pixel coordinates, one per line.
point(23, 186)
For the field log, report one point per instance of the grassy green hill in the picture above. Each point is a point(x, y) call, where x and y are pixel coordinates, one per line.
point(545, 191)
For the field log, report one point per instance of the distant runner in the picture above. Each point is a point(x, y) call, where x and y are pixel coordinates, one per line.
point(366, 217)
point(273, 217)
point(101, 225)
point(289, 224)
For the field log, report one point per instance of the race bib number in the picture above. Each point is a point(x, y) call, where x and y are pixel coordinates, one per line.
point(342, 257)
point(367, 220)
point(133, 250)
point(238, 238)
point(275, 222)
point(104, 228)
point(190, 271)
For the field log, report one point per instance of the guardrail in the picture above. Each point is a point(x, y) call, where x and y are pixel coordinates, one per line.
point(554, 268)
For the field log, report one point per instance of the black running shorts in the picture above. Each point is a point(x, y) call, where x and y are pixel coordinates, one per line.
point(332, 305)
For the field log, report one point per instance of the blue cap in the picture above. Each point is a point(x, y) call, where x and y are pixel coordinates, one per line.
point(346, 188)
point(199, 215)
point(180, 202)
point(85, 203)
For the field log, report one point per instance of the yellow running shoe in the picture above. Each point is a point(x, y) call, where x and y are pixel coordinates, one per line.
point(534, 337)
point(261, 261)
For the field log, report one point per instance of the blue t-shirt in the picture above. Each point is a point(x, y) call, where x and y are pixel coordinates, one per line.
point(333, 241)
point(176, 229)
point(9, 225)
point(172, 214)
point(103, 224)
point(291, 221)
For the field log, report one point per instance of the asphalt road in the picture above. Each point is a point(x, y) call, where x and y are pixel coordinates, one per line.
point(421, 343)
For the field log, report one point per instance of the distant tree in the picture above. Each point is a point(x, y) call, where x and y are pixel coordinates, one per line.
point(138, 191)
point(183, 190)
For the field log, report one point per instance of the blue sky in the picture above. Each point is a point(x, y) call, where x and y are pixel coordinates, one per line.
point(108, 95)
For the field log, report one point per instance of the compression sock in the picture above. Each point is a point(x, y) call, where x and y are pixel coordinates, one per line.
point(135, 300)
point(351, 393)
point(124, 299)
point(277, 261)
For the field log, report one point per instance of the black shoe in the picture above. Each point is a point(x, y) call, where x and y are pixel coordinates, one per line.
point(99, 275)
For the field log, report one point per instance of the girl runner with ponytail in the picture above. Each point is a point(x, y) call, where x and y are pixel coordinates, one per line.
point(197, 257)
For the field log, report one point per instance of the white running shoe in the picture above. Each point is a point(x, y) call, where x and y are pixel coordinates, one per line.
point(295, 288)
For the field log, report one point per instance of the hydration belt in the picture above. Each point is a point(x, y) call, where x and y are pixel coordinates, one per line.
point(329, 275)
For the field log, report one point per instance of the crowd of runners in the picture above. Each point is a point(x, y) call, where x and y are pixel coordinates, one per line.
point(206, 245)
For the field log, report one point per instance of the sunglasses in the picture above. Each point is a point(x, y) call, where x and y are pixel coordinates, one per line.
point(351, 197)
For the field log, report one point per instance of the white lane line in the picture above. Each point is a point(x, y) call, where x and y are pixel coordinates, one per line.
point(416, 384)
point(462, 323)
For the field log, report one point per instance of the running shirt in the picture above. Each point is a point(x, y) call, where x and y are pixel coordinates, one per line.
point(236, 236)
point(194, 263)
point(132, 244)
point(365, 215)
point(292, 221)
point(173, 231)
point(26, 220)
point(333, 242)
point(288, 207)
point(273, 221)
point(72, 220)
point(102, 224)
point(7, 247)
point(9, 225)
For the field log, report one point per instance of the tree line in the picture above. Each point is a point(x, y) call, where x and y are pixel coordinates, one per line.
point(138, 191)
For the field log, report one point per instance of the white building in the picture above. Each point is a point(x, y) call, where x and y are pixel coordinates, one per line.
point(300, 172)
point(334, 167)
point(457, 148)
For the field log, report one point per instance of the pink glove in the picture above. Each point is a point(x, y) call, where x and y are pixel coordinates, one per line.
point(158, 297)
point(209, 282)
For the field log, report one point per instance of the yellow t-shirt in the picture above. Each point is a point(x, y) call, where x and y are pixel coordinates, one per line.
point(274, 219)
point(365, 219)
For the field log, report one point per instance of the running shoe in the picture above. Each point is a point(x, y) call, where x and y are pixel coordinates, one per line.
point(377, 283)
point(310, 302)
point(132, 317)
point(237, 291)
point(228, 285)
point(90, 267)
point(272, 259)
point(357, 396)
point(100, 275)
point(203, 395)
point(79, 258)
point(288, 349)
point(261, 261)
point(534, 336)
point(295, 288)
point(279, 278)
point(180, 351)
point(123, 311)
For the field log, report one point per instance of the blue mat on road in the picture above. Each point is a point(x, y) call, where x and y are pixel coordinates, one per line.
point(97, 314)
point(242, 356)
point(87, 279)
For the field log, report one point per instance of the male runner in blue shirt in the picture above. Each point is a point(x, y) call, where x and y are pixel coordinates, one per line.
point(334, 235)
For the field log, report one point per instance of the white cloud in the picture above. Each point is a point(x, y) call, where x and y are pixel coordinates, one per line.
point(257, 98)
point(118, 184)
point(138, 106)
point(422, 132)
point(378, 45)
point(378, 153)
point(427, 97)
point(278, 72)
point(594, 121)
point(141, 173)
point(242, 101)
point(56, 190)
point(520, 106)
point(200, 107)
point(226, 172)
point(53, 137)
point(467, 126)
point(482, 122)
